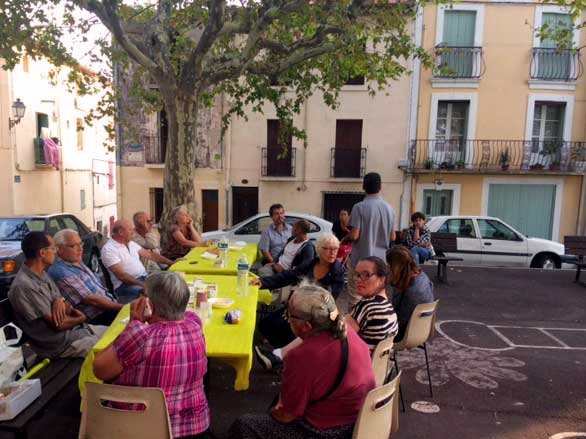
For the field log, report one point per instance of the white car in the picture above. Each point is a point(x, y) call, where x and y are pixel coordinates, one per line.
point(250, 229)
point(484, 240)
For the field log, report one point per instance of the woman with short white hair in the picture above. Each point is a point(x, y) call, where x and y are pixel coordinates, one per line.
point(325, 378)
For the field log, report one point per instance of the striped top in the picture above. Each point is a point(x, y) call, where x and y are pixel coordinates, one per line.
point(376, 320)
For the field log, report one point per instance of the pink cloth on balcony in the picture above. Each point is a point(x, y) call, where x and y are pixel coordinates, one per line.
point(51, 151)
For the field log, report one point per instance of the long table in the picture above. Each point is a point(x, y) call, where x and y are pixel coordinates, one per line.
point(194, 263)
point(231, 344)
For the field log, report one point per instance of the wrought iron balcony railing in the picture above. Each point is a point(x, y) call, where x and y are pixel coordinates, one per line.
point(459, 62)
point(555, 64)
point(347, 162)
point(278, 162)
point(496, 156)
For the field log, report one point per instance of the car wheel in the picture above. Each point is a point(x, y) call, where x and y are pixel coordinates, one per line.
point(545, 261)
point(95, 265)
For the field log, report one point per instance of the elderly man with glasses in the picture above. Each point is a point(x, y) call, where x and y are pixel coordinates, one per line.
point(148, 238)
point(54, 327)
point(76, 282)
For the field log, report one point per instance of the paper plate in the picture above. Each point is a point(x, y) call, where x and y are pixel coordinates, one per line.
point(221, 302)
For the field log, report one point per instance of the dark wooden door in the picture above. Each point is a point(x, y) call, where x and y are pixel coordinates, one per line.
point(348, 146)
point(209, 209)
point(333, 203)
point(157, 196)
point(244, 203)
point(278, 150)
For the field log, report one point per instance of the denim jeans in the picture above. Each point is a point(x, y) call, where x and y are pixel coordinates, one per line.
point(420, 254)
point(127, 293)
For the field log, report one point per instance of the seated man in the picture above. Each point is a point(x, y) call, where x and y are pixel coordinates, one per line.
point(418, 238)
point(298, 250)
point(148, 238)
point(54, 327)
point(169, 352)
point(273, 239)
point(121, 256)
point(80, 287)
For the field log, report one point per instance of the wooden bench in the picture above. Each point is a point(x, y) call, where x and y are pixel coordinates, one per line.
point(444, 243)
point(576, 246)
point(54, 378)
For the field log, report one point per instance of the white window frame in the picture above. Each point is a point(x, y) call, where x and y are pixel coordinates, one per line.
point(553, 9)
point(568, 114)
point(456, 195)
point(559, 196)
point(472, 98)
point(478, 26)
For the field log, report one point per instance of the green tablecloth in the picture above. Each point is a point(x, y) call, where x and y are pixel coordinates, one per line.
point(196, 264)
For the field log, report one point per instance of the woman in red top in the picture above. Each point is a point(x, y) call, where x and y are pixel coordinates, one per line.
point(310, 404)
point(181, 235)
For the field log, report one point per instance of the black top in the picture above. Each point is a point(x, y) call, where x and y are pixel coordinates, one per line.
point(338, 231)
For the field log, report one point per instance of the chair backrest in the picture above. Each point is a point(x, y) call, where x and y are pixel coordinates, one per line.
point(379, 415)
point(444, 242)
point(420, 326)
point(381, 359)
point(99, 421)
point(575, 245)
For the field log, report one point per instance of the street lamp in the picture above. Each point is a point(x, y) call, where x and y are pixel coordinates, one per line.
point(18, 109)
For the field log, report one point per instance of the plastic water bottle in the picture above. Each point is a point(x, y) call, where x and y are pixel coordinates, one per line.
point(223, 247)
point(242, 280)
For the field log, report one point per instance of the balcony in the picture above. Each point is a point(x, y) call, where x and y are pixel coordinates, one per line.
point(154, 150)
point(347, 162)
point(45, 157)
point(496, 156)
point(549, 64)
point(278, 162)
point(459, 62)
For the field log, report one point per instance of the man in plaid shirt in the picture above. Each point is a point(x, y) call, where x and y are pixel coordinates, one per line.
point(168, 353)
point(418, 238)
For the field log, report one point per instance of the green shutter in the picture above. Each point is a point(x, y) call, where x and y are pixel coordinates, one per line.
point(459, 29)
point(553, 64)
point(437, 203)
point(554, 23)
point(529, 208)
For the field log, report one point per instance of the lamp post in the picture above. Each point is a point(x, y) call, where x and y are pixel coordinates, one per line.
point(18, 109)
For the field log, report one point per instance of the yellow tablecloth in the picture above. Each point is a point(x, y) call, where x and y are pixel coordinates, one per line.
point(195, 264)
point(231, 344)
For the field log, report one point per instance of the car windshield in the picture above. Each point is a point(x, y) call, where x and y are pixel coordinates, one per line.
point(14, 229)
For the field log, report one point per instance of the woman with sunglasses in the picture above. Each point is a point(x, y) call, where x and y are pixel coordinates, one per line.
point(373, 317)
point(410, 286)
point(325, 378)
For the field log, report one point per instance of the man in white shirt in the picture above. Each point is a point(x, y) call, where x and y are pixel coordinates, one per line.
point(121, 256)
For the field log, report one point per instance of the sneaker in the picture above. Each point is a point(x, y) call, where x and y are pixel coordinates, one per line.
point(267, 359)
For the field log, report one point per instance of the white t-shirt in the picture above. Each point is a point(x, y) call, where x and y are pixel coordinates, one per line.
point(289, 252)
point(115, 253)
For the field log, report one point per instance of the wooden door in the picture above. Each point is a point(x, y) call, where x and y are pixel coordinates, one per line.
point(333, 203)
point(348, 146)
point(278, 151)
point(209, 209)
point(244, 203)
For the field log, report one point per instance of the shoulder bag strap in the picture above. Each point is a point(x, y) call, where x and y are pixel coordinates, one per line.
point(339, 377)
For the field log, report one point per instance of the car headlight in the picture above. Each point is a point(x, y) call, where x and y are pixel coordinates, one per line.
point(9, 266)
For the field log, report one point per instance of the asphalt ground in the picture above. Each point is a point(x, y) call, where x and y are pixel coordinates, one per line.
point(508, 361)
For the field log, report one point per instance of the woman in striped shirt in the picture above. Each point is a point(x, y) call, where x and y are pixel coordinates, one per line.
point(373, 317)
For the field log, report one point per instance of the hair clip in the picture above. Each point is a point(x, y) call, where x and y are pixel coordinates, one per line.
point(334, 314)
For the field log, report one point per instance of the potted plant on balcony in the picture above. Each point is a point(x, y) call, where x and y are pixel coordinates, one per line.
point(428, 164)
point(552, 150)
point(460, 164)
point(448, 166)
point(504, 159)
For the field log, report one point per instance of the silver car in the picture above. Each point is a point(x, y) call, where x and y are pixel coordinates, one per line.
point(250, 229)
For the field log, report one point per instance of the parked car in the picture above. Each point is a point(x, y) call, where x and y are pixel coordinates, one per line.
point(484, 240)
point(13, 229)
point(250, 229)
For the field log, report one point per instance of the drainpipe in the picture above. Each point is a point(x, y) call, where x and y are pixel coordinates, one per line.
point(303, 186)
point(61, 164)
point(407, 195)
point(118, 132)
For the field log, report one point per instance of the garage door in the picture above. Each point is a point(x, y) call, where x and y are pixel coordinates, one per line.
point(527, 207)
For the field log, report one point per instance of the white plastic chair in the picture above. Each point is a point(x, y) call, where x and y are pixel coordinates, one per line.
point(102, 422)
point(381, 358)
point(379, 415)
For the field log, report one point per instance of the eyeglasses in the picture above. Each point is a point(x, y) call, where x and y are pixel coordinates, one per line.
point(149, 221)
point(52, 247)
point(363, 276)
point(76, 245)
point(331, 249)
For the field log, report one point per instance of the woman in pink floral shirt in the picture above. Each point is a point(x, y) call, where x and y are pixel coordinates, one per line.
point(168, 353)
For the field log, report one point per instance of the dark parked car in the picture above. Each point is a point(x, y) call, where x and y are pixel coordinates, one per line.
point(13, 229)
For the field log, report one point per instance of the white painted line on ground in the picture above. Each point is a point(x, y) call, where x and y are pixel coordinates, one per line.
point(553, 337)
point(569, 434)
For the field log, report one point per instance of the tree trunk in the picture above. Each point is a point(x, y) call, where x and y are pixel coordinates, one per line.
point(182, 116)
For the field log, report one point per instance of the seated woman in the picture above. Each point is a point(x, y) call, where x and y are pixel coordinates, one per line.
point(168, 353)
point(410, 286)
point(181, 235)
point(373, 317)
point(312, 404)
point(325, 270)
point(418, 238)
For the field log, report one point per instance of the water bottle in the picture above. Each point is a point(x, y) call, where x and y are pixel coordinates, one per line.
point(242, 280)
point(223, 247)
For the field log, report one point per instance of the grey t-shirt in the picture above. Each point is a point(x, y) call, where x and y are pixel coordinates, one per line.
point(376, 220)
point(31, 297)
point(420, 291)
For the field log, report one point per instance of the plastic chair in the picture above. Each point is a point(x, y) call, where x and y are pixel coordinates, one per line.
point(419, 330)
point(379, 415)
point(380, 360)
point(102, 422)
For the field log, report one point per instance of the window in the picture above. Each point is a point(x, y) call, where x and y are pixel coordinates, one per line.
point(451, 130)
point(313, 227)
point(462, 227)
point(79, 130)
point(25, 63)
point(437, 203)
point(54, 226)
point(82, 199)
point(347, 154)
point(279, 150)
point(492, 229)
point(459, 33)
point(42, 122)
point(163, 135)
point(554, 63)
point(255, 227)
point(70, 223)
point(548, 126)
